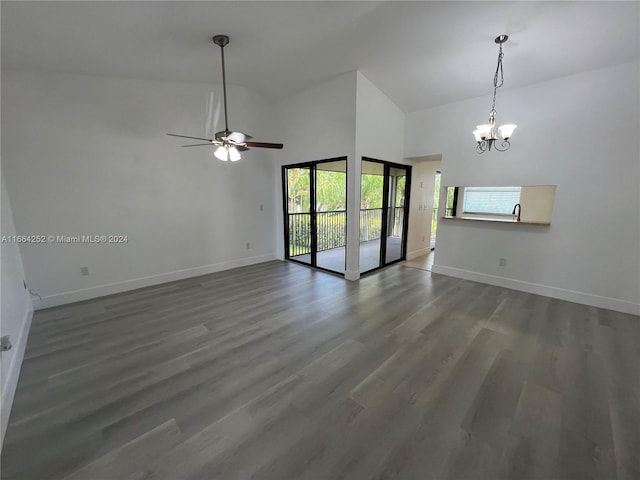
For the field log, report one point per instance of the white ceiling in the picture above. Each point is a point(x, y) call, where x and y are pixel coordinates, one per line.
point(421, 54)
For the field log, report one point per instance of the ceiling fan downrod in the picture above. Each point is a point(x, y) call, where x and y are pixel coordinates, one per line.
point(222, 41)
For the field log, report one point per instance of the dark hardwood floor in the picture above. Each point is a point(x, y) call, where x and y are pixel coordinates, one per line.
point(276, 371)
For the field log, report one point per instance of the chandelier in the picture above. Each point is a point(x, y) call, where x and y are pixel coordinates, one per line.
point(487, 135)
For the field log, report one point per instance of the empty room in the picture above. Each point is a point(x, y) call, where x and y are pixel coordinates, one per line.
point(320, 240)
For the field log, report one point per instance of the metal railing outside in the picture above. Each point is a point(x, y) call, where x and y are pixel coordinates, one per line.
point(370, 224)
point(398, 221)
point(332, 228)
point(331, 231)
point(299, 234)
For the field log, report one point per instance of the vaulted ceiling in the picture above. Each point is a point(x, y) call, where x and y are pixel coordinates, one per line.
point(420, 54)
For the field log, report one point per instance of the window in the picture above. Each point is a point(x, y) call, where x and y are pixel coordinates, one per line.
point(490, 200)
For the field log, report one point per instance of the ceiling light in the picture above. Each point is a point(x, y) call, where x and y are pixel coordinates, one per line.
point(487, 135)
point(226, 153)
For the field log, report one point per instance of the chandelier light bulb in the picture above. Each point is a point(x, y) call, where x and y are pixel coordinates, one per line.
point(507, 130)
point(484, 131)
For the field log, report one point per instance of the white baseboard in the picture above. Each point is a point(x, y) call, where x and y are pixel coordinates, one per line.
point(118, 287)
point(545, 290)
point(352, 276)
point(11, 383)
point(418, 253)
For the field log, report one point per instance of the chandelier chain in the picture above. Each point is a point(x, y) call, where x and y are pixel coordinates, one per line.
point(498, 80)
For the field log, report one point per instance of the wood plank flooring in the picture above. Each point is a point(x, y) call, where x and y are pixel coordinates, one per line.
point(276, 371)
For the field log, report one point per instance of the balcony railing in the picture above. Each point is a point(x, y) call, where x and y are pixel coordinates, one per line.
point(332, 227)
point(397, 221)
point(299, 234)
point(370, 224)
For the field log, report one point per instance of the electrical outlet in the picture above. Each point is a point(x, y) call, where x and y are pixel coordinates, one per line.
point(248, 245)
point(423, 239)
point(5, 343)
point(261, 207)
point(84, 270)
point(502, 262)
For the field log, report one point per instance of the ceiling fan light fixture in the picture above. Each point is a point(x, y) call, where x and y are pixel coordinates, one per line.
point(229, 144)
point(221, 153)
point(227, 152)
point(234, 154)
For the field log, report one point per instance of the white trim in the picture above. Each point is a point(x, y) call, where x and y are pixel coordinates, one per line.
point(545, 290)
point(418, 253)
point(352, 276)
point(126, 285)
point(11, 383)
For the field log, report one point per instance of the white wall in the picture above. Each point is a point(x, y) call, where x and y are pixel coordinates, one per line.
point(421, 210)
point(319, 122)
point(89, 155)
point(379, 124)
point(579, 133)
point(16, 312)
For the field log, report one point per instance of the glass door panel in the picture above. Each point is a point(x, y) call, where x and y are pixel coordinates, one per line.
point(397, 180)
point(331, 214)
point(298, 181)
point(371, 208)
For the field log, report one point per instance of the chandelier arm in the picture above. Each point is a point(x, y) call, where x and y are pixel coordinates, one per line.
point(503, 146)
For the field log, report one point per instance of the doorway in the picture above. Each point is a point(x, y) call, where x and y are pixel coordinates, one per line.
point(384, 201)
point(434, 213)
point(315, 213)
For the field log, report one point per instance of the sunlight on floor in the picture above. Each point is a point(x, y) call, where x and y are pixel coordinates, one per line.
point(423, 262)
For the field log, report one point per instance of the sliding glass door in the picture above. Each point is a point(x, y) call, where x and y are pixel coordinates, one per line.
point(315, 199)
point(384, 200)
point(395, 241)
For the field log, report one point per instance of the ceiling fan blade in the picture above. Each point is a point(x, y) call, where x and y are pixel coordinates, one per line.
point(264, 145)
point(242, 148)
point(200, 145)
point(193, 138)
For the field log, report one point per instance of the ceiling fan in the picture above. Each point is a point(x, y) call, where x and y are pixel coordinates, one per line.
point(229, 143)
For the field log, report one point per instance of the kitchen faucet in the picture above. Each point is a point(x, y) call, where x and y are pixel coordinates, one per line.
point(516, 207)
